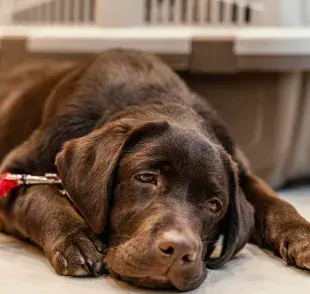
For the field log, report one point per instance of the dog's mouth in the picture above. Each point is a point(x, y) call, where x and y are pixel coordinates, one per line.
point(150, 282)
point(161, 281)
point(153, 281)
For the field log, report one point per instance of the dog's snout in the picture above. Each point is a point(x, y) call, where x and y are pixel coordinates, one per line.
point(177, 247)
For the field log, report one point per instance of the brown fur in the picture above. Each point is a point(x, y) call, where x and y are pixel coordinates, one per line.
point(141, 156)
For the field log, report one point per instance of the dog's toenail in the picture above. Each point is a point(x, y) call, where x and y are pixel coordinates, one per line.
point(98, 266)
point(82, 260)
point(101, 248)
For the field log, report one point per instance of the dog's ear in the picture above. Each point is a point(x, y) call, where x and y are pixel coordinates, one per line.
point(87, 166)
point(239, 221)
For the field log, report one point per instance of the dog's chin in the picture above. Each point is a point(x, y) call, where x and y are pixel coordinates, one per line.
point(162, 282)
point(153, 282)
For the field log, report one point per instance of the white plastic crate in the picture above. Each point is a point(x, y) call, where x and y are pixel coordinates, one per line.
point(124, 13)
point(47, 12)
point(194, 32)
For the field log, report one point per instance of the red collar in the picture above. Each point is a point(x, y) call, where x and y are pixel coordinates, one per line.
point(9, 181)
point(6, 185)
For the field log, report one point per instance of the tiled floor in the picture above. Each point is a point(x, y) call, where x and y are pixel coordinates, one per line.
point(25, 270)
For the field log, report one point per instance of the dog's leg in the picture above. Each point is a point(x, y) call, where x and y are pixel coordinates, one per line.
point(42, 215)
point(279, 226)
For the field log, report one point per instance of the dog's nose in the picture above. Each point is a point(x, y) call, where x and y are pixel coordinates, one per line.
point(177, 247)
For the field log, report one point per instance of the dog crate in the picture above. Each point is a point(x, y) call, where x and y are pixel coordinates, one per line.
point(298, 167)
point(249, 58)
point(154, 25)
point(119, 13)
point(261, 110)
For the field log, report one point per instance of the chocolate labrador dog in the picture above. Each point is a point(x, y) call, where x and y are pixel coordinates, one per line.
point(145, 161)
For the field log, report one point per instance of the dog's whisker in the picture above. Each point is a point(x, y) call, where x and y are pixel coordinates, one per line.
point(208, 234)
point(207, 242)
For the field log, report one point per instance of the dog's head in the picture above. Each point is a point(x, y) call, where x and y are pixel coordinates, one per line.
point(163, 193)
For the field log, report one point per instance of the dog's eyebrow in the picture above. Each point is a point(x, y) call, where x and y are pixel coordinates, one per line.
point(150, 163)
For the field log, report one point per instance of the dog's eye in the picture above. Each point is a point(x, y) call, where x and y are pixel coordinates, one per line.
point(214, 205)
point(147, 178)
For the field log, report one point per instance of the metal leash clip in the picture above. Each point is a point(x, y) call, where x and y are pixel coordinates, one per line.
point(10, 181)
point(33, 180)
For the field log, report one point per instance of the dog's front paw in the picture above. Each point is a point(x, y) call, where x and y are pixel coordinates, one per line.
point(295, 244)
point(79, 253)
